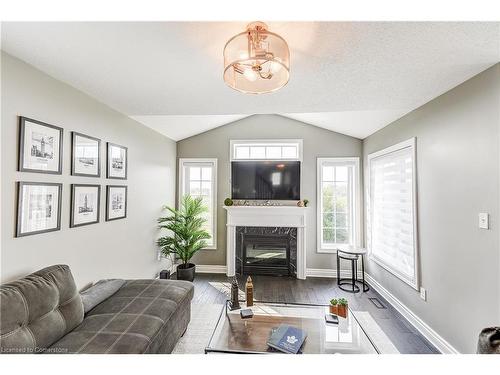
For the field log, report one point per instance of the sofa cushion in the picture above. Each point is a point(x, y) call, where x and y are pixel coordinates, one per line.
point(99, 292)
point(38, 310)
point(130, 320)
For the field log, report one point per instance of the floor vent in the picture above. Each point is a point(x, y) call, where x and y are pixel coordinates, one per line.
point(377, 303)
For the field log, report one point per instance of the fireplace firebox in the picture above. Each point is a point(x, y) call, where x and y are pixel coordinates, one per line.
point(266, 251)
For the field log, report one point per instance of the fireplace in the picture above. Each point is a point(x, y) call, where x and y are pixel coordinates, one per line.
point(263, 221)
point(266, 251)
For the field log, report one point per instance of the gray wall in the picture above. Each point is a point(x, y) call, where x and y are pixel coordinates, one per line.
point(121, 248)
point(458, 177)
point(317, 143)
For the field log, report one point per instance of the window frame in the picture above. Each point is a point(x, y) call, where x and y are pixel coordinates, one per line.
point(409, 143)
point(355, 205)
point(264, 142)
point(182, 183)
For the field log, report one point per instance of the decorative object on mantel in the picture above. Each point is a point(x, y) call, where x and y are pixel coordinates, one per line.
point(234, 303)
point(186, 236)
point(228, 202)
point(249, 291)
point(306, 202)
point(300, 203)
point(342, 308)
point(254, 203)
point(256, 61)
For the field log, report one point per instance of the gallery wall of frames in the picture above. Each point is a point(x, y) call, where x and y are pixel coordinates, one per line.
point(39, 204)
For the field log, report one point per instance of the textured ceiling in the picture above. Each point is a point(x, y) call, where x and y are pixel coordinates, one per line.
point(353, 77)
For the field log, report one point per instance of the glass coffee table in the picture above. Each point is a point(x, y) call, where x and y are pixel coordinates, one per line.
point(235, 335)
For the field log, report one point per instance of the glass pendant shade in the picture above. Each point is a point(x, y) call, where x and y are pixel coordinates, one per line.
point(256, 61)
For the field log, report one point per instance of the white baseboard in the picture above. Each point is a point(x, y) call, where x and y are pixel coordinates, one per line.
point(434, 338)
point(311, 272)
point(207, 268)
point(329, 273)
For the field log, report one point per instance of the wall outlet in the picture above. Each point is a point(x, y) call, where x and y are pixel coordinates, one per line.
point(484, 220)
point(423, 294)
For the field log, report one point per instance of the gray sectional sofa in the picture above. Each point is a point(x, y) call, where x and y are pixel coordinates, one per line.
point(43, 313)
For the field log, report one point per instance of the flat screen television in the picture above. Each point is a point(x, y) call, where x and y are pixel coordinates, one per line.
point(267, 180)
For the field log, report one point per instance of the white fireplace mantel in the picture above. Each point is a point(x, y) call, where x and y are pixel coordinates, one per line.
point(266, 216)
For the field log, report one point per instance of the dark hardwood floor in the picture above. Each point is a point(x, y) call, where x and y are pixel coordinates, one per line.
point(319, 291)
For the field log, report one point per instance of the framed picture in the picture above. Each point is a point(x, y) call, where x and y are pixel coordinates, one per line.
point(116, 202)
point(117, 161)
point(40, 147)
point(38, 208)
point(85, 202)
point(85, 155)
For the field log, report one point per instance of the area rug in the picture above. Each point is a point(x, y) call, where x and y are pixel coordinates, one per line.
point(375, 333)
point(204, 318)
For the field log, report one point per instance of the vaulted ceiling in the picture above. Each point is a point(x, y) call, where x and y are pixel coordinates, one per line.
point(349, 77)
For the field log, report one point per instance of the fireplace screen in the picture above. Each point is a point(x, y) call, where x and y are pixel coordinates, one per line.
point(266, 251)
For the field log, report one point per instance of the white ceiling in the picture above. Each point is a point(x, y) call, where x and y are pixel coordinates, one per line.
point(353, 77)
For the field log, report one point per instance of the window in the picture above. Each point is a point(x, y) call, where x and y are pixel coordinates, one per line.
point(278, 149)
point(338, 203)
point(392, 211)
point(198, 178)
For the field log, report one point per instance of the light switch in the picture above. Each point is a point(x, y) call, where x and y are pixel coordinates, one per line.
point(484, 220)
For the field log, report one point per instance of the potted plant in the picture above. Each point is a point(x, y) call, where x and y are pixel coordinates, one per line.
point(334, 305)
point(186, 235)
point(342, 308)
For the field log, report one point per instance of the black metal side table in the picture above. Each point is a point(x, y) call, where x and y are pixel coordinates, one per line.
point(349, 284)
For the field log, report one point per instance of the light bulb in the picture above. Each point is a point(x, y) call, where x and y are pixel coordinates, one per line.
point(250, 74)
point(275, 65)
point(243, 55)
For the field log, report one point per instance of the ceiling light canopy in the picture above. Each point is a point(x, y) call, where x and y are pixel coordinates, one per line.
point(256, 61)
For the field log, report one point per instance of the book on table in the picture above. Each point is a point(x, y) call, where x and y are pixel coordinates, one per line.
point(287, 339)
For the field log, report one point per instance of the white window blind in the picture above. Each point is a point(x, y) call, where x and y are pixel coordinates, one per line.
point(337, 203)
point(392, 210)
point(289, 149)
point(198, 178)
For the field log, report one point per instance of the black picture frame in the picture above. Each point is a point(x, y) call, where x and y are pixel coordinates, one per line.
point(108, 161)
point(19, 213)
point(73, 154)
point(72, 205)
point(108, 187)
point(22, 141)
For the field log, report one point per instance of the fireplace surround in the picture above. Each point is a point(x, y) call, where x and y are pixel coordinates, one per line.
point(266, 221)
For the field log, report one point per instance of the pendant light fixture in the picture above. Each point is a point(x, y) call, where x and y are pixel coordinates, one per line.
point(256, 61)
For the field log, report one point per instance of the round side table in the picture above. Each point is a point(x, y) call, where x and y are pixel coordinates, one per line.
point(349, 284)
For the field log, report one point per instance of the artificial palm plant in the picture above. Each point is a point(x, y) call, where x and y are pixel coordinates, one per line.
point(186, 234)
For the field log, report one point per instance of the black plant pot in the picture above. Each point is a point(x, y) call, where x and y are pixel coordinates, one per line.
point(186, 273)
